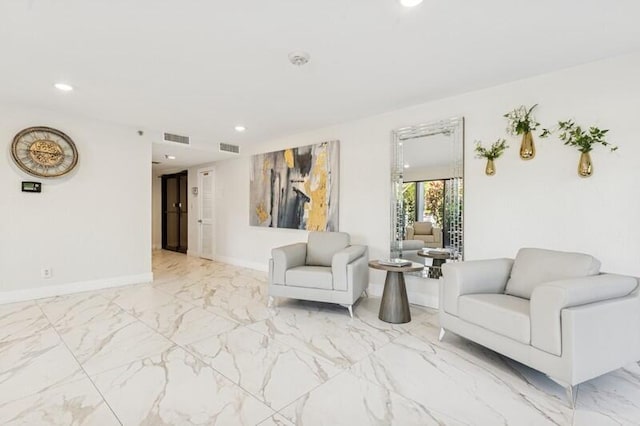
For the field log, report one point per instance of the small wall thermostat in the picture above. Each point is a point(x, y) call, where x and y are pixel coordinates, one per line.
point(31, 187)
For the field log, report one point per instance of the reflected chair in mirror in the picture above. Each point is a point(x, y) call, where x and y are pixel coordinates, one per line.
point(426, 232)
point(327, 268)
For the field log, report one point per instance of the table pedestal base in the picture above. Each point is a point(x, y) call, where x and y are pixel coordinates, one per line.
point(394, 307)
point(436, 268)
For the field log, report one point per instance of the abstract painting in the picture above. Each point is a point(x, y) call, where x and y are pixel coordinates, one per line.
point(296, 188)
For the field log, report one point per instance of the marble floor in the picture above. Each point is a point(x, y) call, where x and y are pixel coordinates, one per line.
point(199, 346)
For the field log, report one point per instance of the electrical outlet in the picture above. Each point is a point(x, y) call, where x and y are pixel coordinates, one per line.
point(46, 273)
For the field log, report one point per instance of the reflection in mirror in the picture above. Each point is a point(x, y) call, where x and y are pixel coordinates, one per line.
point(427, 194)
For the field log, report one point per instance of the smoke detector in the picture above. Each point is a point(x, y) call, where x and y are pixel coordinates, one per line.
point(299, 58)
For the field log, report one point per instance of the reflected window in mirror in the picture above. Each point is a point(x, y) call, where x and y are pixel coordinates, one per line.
point(427, 201)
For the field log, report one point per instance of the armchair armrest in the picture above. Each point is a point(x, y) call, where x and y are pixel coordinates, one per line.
point(606, 331)
point(471, 277)
point(287, 257)
point(437, 233)
point(339, 264)
point(347, 255)
point(410, 232)
point(548, 300)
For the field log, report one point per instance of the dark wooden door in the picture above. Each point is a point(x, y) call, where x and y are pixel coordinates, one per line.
point(175, 212)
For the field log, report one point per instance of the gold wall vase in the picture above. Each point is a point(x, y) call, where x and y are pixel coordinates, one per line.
point(490, 170)
point(585, 166)
point(527, 147)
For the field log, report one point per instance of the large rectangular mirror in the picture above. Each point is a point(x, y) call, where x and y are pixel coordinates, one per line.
point(427, 194)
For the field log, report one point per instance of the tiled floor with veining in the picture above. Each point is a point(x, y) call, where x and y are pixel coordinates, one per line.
point(199, 346)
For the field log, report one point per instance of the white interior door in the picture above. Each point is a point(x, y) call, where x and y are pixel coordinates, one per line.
point(205, 222)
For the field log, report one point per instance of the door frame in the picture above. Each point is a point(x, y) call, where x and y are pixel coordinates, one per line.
point(211, 170)
point(163, 210)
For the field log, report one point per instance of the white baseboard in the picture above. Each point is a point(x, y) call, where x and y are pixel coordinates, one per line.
point(258, 266)
point(70, 288)
point(422, 299)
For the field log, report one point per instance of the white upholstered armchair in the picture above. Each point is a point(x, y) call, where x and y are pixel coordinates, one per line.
point(425, 232)
point(325, 269)
point(553, 311)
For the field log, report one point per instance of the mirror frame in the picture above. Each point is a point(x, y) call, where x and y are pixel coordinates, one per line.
point(453, 127)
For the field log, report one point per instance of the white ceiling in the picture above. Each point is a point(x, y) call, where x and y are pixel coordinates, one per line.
point(199, 67)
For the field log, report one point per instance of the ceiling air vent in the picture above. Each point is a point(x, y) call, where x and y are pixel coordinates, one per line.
point(170, 137)
point(226, 147)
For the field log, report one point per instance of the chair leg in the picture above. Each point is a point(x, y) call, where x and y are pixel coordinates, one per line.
point(572, 394)
point(350, 308)
point(270, 302)
point(441, 335)
point(570, 391)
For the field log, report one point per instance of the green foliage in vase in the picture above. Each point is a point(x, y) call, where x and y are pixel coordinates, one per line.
point(494, 151)
point(584, 140)
point(521, 120)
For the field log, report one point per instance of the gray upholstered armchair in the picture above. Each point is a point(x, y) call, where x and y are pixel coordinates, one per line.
point(325, 269)
point(553, 311)
point(425, 231)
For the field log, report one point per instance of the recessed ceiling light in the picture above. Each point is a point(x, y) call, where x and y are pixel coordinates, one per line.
point(406, 166)
point(299, 58)
point(240, 129)
point(170, 157)
point(63, 86)
point(410, 3)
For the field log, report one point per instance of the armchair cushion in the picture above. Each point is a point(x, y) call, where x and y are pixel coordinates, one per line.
point(549, 299)
point(321, 247)
point(500, 313)
point(533, 267)
point(310, 277)
point(423, 228)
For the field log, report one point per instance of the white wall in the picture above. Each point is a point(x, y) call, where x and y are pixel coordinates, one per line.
point(541, 203)
point(93, 227)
